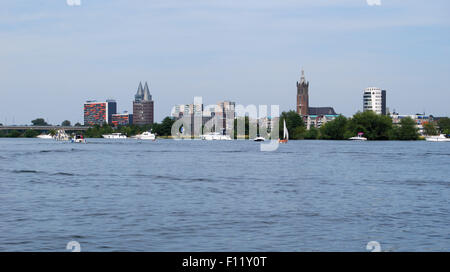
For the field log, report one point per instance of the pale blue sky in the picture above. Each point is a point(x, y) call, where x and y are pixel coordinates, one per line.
point(54, 57)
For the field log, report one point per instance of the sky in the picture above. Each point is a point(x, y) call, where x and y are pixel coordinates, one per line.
point(56, 54)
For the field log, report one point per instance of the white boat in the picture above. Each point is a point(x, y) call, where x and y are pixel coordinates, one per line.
point(61, 135)
point(45, 136)
point(114, 136)
point(79, 139)
point(147, 135)
point(215, 136)
point(259, 139)
point(440, 138)
point(359, 137)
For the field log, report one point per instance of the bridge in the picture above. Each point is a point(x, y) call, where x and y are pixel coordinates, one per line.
point(44, 128)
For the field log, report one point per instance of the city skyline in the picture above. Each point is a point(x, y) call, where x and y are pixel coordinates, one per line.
point(58, 56)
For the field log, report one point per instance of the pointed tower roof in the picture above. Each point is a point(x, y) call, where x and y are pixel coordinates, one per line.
point(140, 92)
point(147, 95)
point(303, 78)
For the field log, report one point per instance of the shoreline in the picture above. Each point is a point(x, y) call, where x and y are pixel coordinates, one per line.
point(420, 139)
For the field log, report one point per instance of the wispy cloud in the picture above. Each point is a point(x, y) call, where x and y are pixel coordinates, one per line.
point(374, 2)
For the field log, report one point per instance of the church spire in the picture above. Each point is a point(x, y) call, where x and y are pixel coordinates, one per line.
point(147, 95)
point(140, 93)
point(302, 80)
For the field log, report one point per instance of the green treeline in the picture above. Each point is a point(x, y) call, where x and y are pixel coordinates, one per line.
point(19, 134)
point(374, 127)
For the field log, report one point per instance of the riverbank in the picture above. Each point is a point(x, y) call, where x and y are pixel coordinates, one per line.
point(32, 136)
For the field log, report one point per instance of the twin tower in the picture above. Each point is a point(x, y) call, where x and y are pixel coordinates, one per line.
point(143, 106)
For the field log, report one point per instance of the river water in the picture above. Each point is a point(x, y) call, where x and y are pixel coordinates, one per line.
point(129, 195)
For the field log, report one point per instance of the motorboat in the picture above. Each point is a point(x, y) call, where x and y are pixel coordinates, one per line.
point(61, 135)
point(215, 136)
point(79, 139)
point(259, 139)
point(359, 137)
point(147, 135)
point(114, 136)
point(45, 136)
point(440, 138)
point(285, 134)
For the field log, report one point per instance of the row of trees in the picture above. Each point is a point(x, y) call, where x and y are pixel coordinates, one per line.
point(42, 122)
point(374, 127)
point(19, 134)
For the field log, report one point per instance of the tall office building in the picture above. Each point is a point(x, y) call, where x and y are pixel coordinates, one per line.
point(98, 113)
point(374, 99)
point(143, 106)
point(303, 95)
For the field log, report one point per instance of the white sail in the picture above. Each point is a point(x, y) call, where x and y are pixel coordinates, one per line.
point(285, 131)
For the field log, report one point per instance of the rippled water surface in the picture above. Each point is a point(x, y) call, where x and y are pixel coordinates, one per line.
point(169, 195)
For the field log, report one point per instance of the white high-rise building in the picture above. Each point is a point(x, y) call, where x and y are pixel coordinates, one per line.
point(374, 100)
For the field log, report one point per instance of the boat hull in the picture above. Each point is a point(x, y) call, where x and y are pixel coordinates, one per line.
point(114, 137)
point(357, 139)
point(216, 137)
point(440, 138)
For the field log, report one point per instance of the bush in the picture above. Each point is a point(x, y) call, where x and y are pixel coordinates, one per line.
point(406, 131)
point(39, 122)
point(65, 123)
point(444, 124)
point(30, 133)
point(298, 133)
point(312, 134)
point(13, 134)
point(335, 129)
point(430, 129)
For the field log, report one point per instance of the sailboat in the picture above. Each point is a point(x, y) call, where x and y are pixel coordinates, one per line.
point(285, 134)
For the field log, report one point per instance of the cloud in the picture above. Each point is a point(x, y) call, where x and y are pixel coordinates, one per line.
point(374, 2)
point(73, 2)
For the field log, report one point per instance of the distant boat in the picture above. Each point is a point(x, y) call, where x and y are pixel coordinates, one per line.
point(79, 139)
point(259, 139)
point(147, 135)
point(215, 136)
point(285, 134)
point(114, 136)
point(359, 137)
point(440, 138)
point(45, 136)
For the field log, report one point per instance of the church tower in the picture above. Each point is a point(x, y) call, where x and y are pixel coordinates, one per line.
point(303, 95)
point(143, 106)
